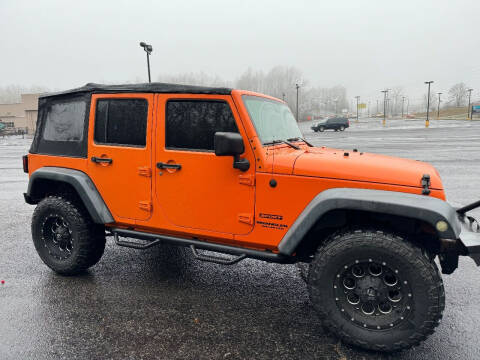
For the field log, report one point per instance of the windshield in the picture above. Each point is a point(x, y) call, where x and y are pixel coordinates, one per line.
point(272, 119)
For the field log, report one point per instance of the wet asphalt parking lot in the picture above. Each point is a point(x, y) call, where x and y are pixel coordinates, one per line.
point(162, 304)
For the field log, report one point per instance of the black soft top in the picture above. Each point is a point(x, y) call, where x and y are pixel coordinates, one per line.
point(144, 88)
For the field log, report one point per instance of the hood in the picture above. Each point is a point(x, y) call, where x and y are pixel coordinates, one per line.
point(358, 166)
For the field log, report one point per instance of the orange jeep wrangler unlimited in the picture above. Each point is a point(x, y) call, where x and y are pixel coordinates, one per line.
point(228, 171)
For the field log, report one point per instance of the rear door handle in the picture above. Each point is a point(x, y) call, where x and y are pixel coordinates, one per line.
point(101, 160)
point(162, 165)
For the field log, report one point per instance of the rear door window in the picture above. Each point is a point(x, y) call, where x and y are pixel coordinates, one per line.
point(121, 122)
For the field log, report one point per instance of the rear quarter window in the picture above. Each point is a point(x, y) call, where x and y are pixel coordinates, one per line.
point(62, 126)
point(65, 121)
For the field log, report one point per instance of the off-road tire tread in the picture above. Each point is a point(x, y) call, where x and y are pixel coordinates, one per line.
point(429, 272)
point(90, 239)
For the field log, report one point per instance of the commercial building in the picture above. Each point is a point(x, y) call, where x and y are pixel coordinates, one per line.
point(22, 115)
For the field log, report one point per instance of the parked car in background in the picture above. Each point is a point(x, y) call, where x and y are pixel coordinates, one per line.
point(336, 123)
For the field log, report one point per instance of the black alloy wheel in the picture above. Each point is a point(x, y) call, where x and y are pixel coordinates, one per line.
point(376, 290)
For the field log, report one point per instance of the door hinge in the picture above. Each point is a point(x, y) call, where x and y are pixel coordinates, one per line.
point(247, 179)
point(145, 205)
point(145, 171)
point(246, 218)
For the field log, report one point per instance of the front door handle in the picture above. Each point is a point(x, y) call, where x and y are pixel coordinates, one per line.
point(162, 165)
point(101, 160)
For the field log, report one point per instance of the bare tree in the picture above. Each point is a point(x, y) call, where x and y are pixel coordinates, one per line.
point(457, 94)
point(396, 102)
point(278, 82)
point(199, 78)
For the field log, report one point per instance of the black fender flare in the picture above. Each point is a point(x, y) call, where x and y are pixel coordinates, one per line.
point(80, 181)
point(425, 208)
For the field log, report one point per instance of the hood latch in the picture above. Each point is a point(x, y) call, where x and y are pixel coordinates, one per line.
point(426, 184)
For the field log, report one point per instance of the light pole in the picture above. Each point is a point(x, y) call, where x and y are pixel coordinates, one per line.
point(408, 104)
point(368, 108)
point(385, 92)
point(377, 108)
point(358, 98)
point(283, 97)
point(438, 108)
point(336, 101)
point(148, 49)
point(469, 116)
point(427, 122)
point(403, 103)
point(298, 87)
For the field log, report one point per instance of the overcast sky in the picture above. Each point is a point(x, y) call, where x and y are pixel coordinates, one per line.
point(363, 45)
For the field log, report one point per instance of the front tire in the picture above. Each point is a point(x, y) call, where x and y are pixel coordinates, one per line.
point(64, 236)
point(321, 129)
point(376, 290)
point(342, 128)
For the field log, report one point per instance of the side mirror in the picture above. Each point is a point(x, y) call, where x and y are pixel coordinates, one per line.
point(231, 144)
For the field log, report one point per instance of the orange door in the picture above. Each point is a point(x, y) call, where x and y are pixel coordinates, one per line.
point(120, 153)
point(204, 191)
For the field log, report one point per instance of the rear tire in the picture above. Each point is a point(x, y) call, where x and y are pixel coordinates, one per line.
point(65, 237)
point(321, 128)
point(376, 290)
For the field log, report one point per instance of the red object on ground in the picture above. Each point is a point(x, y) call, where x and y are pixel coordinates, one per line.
point(3, 282)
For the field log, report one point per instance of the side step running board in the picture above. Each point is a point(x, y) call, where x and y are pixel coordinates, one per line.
point(194, 244)
point(135, 245)
point(214, 259)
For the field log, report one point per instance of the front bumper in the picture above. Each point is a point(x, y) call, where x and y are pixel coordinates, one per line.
point(470, 237)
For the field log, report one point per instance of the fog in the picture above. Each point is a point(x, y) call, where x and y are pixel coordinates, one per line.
point(363, 46)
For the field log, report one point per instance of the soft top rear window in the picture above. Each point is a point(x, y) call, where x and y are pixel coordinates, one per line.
point(64, 121)
point(62, 126)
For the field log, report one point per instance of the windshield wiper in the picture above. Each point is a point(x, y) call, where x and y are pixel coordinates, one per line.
point(282, 142)
point(302, 139)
